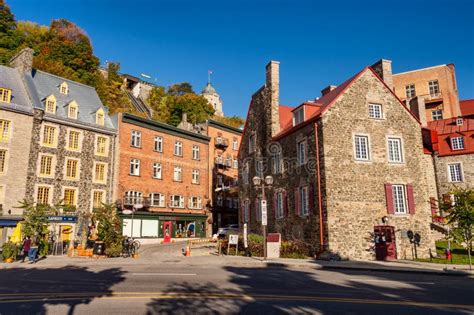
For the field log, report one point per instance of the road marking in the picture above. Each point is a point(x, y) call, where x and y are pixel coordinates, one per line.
point(162, 274)
point(41, 297)
point(377, 280)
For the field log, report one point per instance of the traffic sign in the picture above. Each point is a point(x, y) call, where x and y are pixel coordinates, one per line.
point(264, 212)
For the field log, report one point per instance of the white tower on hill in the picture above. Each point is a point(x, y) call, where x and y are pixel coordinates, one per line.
point(210, 94)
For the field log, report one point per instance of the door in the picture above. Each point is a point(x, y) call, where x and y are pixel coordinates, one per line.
point(384, 238)
point(167, 231)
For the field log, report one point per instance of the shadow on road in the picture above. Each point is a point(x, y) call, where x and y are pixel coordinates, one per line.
point(75, 281)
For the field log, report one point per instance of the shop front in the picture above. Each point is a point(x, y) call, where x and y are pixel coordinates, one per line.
point(62, 232)
point(153, 225)
point(8, 224)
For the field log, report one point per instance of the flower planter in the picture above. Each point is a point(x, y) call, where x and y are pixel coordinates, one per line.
point(9, 260)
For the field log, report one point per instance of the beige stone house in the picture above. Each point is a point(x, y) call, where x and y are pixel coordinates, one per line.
point(351, 176)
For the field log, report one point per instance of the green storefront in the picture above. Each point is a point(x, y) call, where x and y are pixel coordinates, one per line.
point(152, 225)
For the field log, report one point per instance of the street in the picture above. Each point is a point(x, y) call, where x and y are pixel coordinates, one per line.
point(196, 285)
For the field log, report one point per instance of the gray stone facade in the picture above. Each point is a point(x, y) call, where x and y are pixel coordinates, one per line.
point(445, 185)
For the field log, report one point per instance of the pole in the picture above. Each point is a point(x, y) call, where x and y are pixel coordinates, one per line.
point(133, 212)
point(264, 226)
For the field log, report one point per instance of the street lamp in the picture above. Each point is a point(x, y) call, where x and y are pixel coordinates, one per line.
point(259, 182)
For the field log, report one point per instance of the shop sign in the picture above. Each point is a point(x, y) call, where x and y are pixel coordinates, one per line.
point(62, 218)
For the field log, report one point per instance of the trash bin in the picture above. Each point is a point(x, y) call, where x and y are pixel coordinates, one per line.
point(98, 248)
point(273, 245)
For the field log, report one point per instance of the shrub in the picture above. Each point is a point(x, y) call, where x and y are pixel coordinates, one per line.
point(9, 250)
point(295, 249)
point(109, 229)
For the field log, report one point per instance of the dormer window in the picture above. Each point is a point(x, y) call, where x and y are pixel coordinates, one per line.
point(457, 143)
point(63, 88)
point(5, 95)
point(72, 110)
point(459, 121)
point(100, 117)
point(298, 116)
point(50, 104)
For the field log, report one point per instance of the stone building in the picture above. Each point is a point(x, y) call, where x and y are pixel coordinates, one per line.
point(351, 177)
point(436, 86)
point(16, 122)
point(211, 95)
point(163, 173)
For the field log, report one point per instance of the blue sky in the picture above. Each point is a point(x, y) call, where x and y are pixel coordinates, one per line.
point(317, 43)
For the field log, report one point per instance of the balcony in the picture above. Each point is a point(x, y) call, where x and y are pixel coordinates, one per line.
point(134, 200)
point(221, 142)
point(433, 97)
point(220, 161)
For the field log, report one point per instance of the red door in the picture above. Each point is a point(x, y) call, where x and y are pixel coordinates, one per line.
point(167, 231)
point(384, 237)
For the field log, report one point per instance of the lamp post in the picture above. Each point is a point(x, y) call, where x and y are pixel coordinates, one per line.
point(260, 182)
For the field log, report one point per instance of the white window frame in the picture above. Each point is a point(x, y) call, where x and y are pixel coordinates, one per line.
point(375, 111)
point(455, 175)
point(135, 171)
point(135, 196)
point(400, 202)
point(157, 170)
point(96, 145)
point(176, 201)
point(392, 154)
point(235, 164)
point(178, 148)
point(178, 174)
point(437, 114)
point(298, 116)
point(136, 139)
point(235, 145)
point(196, 152)
point(195, 202)
point(53, 165)
point(301, 152)
point(195, 177)
point(279, 211)
point(357, 143)
point(433, 86)
point(277, 163)
point(76, 192)
point(304, 200)
point(158, 144)
point(157, 200)
point(457, 143)
point(410, 90)
point(78, 170)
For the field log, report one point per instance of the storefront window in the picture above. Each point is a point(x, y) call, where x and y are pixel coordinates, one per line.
point(185, 229)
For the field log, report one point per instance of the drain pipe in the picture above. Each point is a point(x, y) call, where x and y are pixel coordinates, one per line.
point(320, 205)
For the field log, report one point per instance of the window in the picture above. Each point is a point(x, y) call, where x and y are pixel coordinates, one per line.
point(228, 161)
point(100, 172)
point(434, 88)
point(50, 104)
point(457, 143)
point(49, 136)
point(459, 121)
point(101, 146)
point(4, 130)
point(219, 201)
point(235, 145)
point(236, 203)
point(399, 199)
point(136, 139)
point(133, 198)
point(229, 202)
point(195, 203)
point(157, 200)
point(178, 148)
point(5, 95)
point(73, 140)
point(301, 152)
point(42, 196)
point(158, 144)
point(100, 117)
point(63, 88)
point(437, 114)
point(69, 196)
point(246, 210)
point(395, 150)
point(298, 116)
point(455, 172)
point(157, 170)
point(279, 205)
point(3, 161)
point(220, 181)
point(46, 165)
point(259, 168)
point(245, 173)
point(97, 199)
point(195, 177)
point(72, 169)
point(72, 110)
point(361, 145)
point(135, 167)
point(375, 111)
point(277, 163)
point(304, 201)
point(196, 155)
point(176, 201)
point(410, 91)
point(235, 164)
point(178, 174)
point(252, 143)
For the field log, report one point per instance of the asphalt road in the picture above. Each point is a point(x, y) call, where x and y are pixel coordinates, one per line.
point(176, 288)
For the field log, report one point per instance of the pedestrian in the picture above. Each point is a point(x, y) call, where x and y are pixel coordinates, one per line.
point(26, 247)
point(33, 251)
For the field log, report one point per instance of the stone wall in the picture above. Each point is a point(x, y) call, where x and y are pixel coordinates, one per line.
point(444, 183)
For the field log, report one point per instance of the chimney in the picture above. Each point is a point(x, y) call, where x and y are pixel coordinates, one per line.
point(417, 107)
point(184, 117)
point(23, 61)
point(383, 68)
point(273, 83)
point(328, 89)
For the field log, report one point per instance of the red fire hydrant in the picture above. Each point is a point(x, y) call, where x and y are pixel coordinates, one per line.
point(447, 252)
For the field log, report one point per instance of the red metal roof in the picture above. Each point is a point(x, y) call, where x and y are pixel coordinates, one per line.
point(286, 116)
point(447, 129)
point(467, 107)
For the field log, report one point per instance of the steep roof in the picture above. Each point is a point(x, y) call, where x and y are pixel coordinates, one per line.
point(447, 129)
point(209, 89)
point(11, 79)
point(467, 107)
point(448, 126)
point(42, 84)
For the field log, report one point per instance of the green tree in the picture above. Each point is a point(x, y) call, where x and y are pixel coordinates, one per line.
point(460, 215)
point(10, 38)
point(111, 91)
point(234, 121)
point(195, 106)
point(36, 224)
point(158, 101)
point(180, 89)
point(109, 228)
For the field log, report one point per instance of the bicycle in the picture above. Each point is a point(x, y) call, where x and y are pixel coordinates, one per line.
point(130, 247)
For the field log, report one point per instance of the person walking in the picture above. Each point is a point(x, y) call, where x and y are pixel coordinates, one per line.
point(33, 251)
point(26, 247)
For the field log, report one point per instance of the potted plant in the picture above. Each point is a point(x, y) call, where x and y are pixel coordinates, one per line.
point(9, 252)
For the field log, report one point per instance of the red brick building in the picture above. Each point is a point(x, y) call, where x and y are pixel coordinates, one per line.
point(164, 170)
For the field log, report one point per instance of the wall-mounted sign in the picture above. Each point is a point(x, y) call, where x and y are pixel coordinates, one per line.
point(62, 218)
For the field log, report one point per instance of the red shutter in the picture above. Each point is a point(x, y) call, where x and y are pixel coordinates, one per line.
point(275, 204)
point(285, 204)
point(411, 199)
point(434, 206)
point(311, 198)
point(297, 202)
point(389, 198)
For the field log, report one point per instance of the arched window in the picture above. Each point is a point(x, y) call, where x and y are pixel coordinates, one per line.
point(64, 88)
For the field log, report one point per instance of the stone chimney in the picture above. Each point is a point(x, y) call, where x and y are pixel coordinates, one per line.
point(417, 107)
point(383, 68)
point(328, 89)
point(273, 84)
point(23, 61)
point(184, 124)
